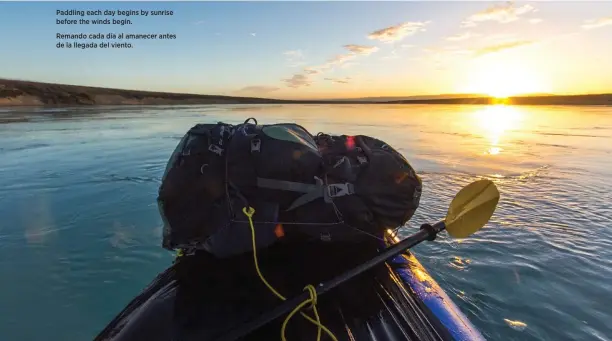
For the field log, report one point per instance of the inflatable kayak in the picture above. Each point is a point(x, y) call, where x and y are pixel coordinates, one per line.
point(203, 298)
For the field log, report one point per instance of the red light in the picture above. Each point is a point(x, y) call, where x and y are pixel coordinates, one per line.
point(350, 142)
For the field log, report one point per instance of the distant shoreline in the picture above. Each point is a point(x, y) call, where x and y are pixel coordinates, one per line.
point(594, 99)
point(16, 93)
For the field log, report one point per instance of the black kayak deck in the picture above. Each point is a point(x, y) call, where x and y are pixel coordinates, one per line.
point(202, 298)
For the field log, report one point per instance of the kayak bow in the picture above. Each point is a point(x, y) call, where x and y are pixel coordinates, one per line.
point(388, 296)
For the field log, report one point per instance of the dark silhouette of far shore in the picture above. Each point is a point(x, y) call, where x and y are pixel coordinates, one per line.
point(28, 93)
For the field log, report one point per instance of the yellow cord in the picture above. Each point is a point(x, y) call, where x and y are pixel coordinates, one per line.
point(311, 290)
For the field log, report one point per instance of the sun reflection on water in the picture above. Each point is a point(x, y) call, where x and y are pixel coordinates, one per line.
point(494, 121)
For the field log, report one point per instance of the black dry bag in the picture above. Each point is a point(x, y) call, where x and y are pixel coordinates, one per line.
point(330, 188)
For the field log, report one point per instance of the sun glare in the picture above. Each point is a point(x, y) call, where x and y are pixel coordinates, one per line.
point(493, 122)
point(501, 80)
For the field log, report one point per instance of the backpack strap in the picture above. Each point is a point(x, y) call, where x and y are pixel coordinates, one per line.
point(311, 191)
point(288, 185)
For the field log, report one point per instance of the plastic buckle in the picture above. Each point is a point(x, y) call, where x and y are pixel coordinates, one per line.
point(326, 237)
point(255, 145)
point(215, 149)
point(340, 190)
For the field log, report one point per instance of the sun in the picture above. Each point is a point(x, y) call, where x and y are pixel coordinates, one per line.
point(502, 80)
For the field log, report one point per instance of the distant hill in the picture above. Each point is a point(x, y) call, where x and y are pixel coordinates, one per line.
point(409, 98)
point(24, 93)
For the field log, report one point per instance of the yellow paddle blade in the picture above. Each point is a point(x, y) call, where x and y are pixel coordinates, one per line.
point(471, 208)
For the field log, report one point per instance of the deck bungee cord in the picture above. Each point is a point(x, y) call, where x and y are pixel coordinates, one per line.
point(312, 300)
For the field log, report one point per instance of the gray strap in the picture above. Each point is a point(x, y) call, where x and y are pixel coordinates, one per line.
point(306, 198)
point(288, 185)
point(311, 191)
point(326, 192)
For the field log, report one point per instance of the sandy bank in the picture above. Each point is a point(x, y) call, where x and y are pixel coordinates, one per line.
point(26, 93)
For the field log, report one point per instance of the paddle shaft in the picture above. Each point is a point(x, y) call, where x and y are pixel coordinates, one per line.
point(322, 288)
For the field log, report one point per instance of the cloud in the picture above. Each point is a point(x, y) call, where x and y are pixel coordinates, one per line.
point(257, 89)
point(462, 36)
point(305, 78)
point(345, 80)
point(502, 47)
point(535, 21)
point(298, 80)
point(346, 60)
point(254, 34)
point(336, 61)
point(398, 32)
point(294, 58)
point(503, 13)
point(340, 59)
point(361, 49)
point(311, 71)
point(199, 22)
point(407, 46)
point(596, 23)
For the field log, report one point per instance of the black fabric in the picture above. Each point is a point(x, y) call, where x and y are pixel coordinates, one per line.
point(328, 188)
point(192, 188)
point(276, 159)
point(201, 298)
point(213, 174)
point(210, 303)
point(387, 189)
point(234, 236)
point(388, 185)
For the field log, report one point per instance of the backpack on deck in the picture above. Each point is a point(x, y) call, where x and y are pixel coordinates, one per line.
point(330, 188)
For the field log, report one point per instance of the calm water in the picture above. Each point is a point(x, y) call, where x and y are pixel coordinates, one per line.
point(80, 234)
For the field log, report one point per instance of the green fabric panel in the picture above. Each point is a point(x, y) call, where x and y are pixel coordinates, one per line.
point(286, 133)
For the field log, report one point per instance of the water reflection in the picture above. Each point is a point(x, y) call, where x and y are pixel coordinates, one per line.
point(38, 220)
point(516, 325)
point(494, 121)
point(64, 183)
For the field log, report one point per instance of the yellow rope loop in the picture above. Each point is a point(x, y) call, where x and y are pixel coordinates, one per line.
point(249, 212)
point(312, 291)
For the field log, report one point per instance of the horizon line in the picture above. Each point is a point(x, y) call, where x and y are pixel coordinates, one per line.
point(470, 95)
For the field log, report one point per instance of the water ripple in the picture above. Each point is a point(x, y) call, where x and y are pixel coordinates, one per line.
point(78, 189)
